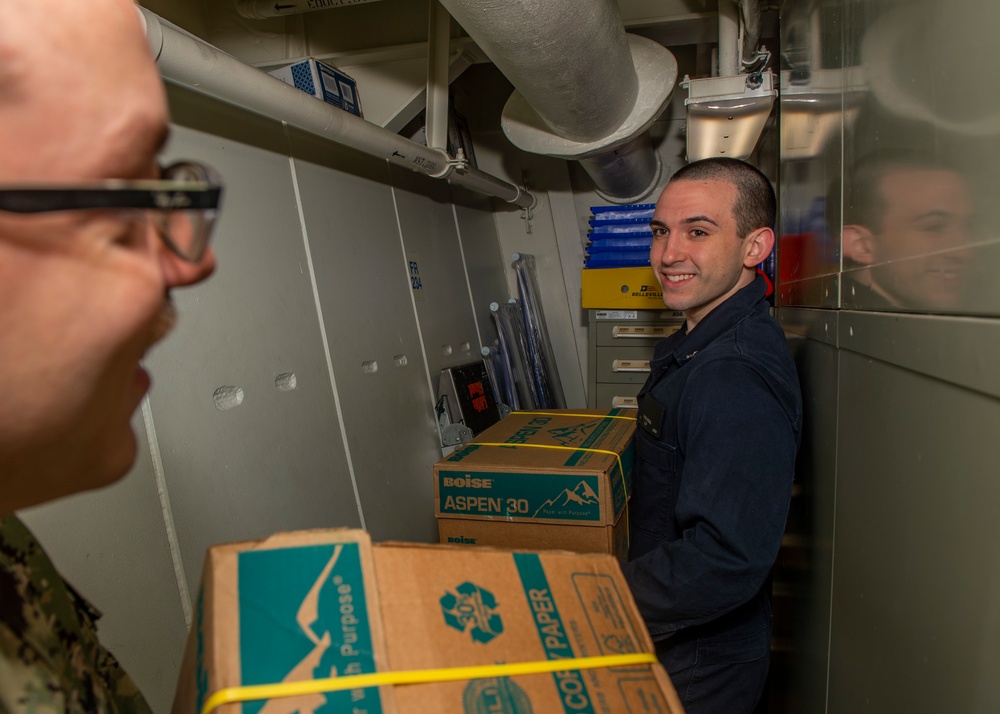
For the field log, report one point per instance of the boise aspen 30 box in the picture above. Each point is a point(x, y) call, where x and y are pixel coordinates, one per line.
point(442, 629)
point(553, 479)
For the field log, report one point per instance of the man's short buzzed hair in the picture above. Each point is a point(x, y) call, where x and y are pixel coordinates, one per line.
point(755, 207)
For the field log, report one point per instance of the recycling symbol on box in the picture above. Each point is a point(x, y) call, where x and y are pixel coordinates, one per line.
point(472, 609)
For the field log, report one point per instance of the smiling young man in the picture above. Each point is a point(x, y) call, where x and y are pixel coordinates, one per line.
point(719, 423)
point(88, 257)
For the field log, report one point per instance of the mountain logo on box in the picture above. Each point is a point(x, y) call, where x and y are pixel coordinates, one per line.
point(472, 609)
point(495, 696)
point(575, 434)
point(581, 496)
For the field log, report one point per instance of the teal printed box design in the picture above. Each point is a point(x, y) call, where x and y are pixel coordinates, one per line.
point(552, 633)
point(531, 496)
point(522, 496)
point(540, 494)
point(303, 615)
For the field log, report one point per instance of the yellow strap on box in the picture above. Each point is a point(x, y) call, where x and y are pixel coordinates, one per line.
point(232, 695)
point(587, 416)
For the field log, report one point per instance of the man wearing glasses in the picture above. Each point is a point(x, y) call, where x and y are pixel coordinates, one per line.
point(93, 237)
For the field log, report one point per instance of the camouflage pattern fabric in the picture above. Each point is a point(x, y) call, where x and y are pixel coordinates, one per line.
point(50, 659)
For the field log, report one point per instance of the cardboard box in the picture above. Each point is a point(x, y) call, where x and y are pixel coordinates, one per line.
point(296, 605)
point(283, 609)
point(323, 81)
point(620, 288)
point(538, 480)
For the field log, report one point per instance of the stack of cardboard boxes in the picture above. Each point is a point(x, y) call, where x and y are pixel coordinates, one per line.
point(394, 628)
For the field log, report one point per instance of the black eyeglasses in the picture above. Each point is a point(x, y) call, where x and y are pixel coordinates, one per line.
point(182, 205)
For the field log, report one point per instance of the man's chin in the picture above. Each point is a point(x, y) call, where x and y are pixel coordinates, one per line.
point(113, 463)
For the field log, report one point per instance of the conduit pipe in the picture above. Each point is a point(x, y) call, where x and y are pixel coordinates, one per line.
point(584, 90)
point(751, 30)
point(729, 38)
point(261, 9)
point(188, 61)
point(438, 48)
point(732, 49)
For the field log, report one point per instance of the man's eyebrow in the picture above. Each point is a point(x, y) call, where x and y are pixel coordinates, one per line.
point(700, 219)
point(933, 213)
point(655, 223)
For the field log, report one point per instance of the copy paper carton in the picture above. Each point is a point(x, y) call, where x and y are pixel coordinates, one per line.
point(327, 604)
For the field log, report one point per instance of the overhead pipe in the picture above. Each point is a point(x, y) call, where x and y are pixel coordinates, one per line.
point(584, 89)
point(438, 48)
point(736, 51)
point(751, 31)
point(189, 61)
point(262, 9)
point(729, 38)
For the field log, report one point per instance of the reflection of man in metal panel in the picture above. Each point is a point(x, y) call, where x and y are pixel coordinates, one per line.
point(93, 236)
point(907, 230)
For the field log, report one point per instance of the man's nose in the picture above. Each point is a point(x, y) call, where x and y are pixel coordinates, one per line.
point(670, 251)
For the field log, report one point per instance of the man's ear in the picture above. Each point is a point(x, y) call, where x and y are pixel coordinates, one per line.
point(858, 244)
point(758, 247)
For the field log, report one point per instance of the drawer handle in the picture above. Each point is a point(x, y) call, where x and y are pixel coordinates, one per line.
point(624, 403)
point(642, 331)
point(630, 365)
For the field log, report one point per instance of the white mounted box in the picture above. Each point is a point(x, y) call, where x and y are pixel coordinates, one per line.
point(323, 81)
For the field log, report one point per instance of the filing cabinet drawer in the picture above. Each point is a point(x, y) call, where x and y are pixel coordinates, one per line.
point(620, 396)
point(632, 333)
point(628, 365)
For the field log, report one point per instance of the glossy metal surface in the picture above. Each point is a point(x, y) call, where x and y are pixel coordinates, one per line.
point(891, 154)
point(890, 165)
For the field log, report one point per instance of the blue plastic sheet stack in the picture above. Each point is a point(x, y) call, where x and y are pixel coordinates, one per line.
point(619, 236)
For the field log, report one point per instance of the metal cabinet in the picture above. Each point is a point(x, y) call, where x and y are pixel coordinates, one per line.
point(620, 347)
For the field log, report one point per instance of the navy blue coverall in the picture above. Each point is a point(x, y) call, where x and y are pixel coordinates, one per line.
point(718, 429)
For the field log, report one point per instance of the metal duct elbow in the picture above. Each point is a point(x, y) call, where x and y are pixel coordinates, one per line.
point(584, 89)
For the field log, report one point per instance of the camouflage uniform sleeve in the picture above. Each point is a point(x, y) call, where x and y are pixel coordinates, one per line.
point(50, 658)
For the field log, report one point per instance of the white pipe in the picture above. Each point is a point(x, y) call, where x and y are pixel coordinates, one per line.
point(261, 9)
point(729, 34)
point(751, 30)
point(187, 60)
point(438, 49)
point(815, 47)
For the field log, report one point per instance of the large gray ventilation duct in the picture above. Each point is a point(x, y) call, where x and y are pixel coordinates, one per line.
point(584, 89)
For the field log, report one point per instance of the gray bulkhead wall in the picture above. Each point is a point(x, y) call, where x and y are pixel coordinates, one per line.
point(897, 549)
point(313, 288)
